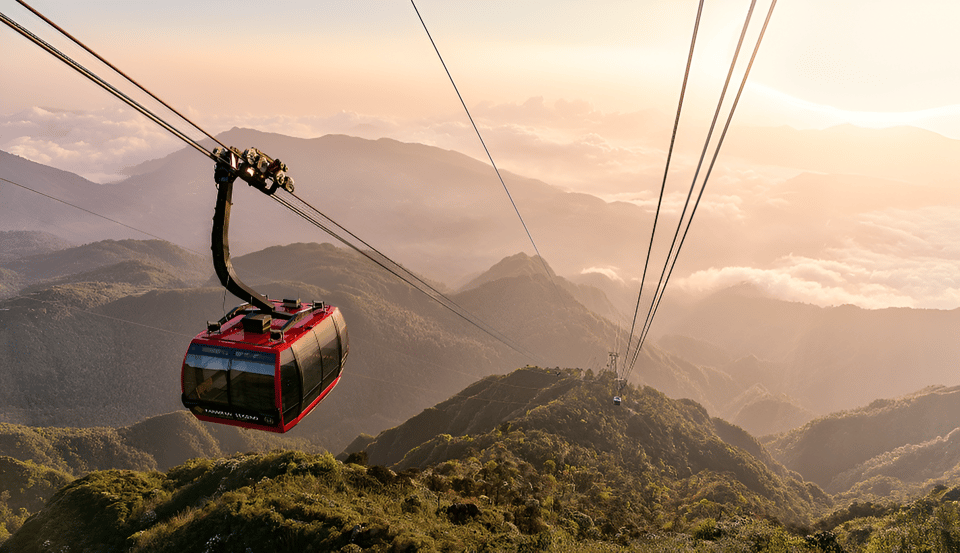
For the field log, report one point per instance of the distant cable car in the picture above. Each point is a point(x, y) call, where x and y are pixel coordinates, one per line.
point(616, 400)
point(267, 363)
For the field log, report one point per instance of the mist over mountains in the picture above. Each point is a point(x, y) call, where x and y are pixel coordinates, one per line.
point(765, 363)
point(94, 325)
point(804, 224)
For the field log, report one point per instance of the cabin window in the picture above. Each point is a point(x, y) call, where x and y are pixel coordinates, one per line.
point(307, 351)
point(230, 378)
point(290, 385)
point(205, 378)
point(251, 385)
point(342, 332)
point(329, 348)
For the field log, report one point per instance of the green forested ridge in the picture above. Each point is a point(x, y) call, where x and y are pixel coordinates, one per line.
point(37, 461)
point(10, 282)
point(905, 440)
point(62, 263)
point(538, 459)
point(549, 458)
point(658, 455)
point(139, 275)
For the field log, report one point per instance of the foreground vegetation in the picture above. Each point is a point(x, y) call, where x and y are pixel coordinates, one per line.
point(536, 460)
point(292, 501)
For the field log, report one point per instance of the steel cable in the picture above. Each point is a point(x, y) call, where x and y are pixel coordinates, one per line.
point(543, 262)
point(663, 184)
point(118, 71)
point(76, 66)
point(716, 153)
point(426, 289)
point(674, 251)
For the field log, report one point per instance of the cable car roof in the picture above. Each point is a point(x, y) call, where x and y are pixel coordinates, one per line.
point(280, 332)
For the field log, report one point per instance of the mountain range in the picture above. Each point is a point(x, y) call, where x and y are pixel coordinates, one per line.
point(736, 352)
point(534, 459)
point(93, 336)
point(535, 452)
point(447, 216)
point(826, 358)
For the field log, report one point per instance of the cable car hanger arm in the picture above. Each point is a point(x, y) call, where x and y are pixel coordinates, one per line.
point(261, 172)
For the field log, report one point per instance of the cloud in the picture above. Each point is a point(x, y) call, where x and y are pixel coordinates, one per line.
point(566, 143)
point(782, 284)
point(609, 272)
point(94, 144)
point(851, 275)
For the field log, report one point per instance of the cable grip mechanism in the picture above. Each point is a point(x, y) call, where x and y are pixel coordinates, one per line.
point(259, 170)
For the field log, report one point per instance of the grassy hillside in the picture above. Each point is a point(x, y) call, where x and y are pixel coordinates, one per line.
point(540, 461)
point(35, 462)
point(15, 244)
point(567, 421)
point(535, 460)
point(134, 272)
point(10, 282)
point(289, 501)
point(930, 522)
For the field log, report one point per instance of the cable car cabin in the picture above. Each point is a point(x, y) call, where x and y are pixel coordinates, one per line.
point(258, 371)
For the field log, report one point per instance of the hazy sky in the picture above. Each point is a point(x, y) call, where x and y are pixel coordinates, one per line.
point(580, 94)
point(822, 61)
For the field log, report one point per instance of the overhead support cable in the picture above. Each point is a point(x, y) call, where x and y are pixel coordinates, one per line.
point(118, 71)
point(716, 153)
point(675, 246)
point(666, 171)
point(672, 252)
point(305, 210)
point(313, 216)
point(476, 129)
point(102, 84)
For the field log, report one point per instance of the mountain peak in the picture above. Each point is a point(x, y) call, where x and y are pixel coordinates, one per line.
point(515, 265)
point(565, 418)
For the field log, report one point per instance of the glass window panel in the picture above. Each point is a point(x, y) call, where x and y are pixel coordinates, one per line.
point(342, 331)
point(251, 390)
point(252, 367)
point(307, 351)
point(329, 347)
point(290, 386)
point(206, 378)
point(206, 362)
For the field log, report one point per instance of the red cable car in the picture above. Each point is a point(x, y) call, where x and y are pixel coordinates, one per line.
point(267, 363)
point(255, 371)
